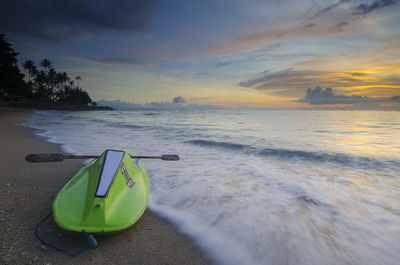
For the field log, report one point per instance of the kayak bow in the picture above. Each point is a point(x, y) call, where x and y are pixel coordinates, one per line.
point(109, 194)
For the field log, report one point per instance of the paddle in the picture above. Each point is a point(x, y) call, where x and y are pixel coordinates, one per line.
point(61, 157)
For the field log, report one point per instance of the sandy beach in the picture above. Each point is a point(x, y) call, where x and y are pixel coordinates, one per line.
point(26, 194)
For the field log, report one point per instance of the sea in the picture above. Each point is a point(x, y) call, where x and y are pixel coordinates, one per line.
point(260, 186)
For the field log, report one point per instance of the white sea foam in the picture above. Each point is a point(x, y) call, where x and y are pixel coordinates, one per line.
point(261, 187)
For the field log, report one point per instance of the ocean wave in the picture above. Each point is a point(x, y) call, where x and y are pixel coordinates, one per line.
point(227, 145)
point(124, 125)
point(96, 120)
point(308, 155)
point(338, 158)
point(54, 114)
point(301, 155)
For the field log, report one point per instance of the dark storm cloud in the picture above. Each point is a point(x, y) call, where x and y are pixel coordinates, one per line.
point(220, 64)
point(342, 24)
point(320, 96)
point(329, 8)
point(358, 74)
point(60, 19)
point(120, 61)
point(354, 12)
point(361, 9)
point(395, 98)
point(178, 100)
point(139, 62)
point(364, 9)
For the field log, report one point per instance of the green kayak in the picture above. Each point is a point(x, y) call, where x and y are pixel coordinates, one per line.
point(108, 195)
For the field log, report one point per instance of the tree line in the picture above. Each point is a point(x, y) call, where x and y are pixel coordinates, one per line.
point(44, 83)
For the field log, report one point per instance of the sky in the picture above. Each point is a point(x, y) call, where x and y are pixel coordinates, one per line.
point(256, 53)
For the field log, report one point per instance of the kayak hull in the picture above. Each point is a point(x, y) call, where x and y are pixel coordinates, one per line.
point(108, 195)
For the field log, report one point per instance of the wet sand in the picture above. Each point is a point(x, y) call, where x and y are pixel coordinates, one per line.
point(26, 194)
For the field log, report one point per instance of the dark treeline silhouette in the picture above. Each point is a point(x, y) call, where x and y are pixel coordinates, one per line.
point(44, 84)
point(48, 85)
point(11, 79)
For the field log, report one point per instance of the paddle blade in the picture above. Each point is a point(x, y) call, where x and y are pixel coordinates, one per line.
point(44, 157)
point(170, 157)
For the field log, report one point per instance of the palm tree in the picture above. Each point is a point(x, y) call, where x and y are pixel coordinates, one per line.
point(46, 64)
point(40, 81)
point(59, 83)
point(59, 80)
point(65, 78)
point(78, 78)
point(30, 66)
point(51, 80)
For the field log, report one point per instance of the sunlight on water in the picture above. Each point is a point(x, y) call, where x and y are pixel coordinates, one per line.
point(257, 186)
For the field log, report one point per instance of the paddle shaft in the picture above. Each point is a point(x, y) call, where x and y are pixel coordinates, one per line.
point(93, 156)
point(61, 157)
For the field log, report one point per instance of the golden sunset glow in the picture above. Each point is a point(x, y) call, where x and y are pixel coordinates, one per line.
point(255, 54)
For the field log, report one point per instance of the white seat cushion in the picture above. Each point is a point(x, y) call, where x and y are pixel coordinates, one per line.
point(111, 164)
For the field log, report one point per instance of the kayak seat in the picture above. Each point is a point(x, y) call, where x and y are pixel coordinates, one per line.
point(111, 164)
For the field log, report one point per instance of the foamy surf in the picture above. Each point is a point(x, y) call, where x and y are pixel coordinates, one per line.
point(284, 187)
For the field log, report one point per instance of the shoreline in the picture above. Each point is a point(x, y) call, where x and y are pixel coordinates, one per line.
point(32, 105)
point(26, 194)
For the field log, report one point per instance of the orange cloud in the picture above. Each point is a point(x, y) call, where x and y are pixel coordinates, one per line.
point(295, 82)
